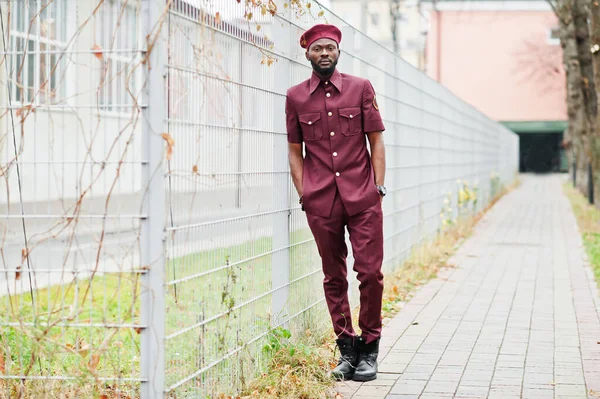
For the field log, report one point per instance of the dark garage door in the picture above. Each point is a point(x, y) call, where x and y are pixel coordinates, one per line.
point(540, 152)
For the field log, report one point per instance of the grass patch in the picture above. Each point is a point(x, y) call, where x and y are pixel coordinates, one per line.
point(64, 336)
point(588, 220)
point(296, 370)
point(79, 327)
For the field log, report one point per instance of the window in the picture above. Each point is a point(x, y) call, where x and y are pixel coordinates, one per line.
point(554, 36)
point(38, 40)
point(117, 36)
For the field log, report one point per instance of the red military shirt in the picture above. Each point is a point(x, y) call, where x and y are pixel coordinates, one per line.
point(332, 118)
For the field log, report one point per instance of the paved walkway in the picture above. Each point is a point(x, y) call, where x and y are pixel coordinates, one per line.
point(517, 318)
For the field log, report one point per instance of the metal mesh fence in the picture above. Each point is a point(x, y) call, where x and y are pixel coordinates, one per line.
point(151, 237)
point(71, 157)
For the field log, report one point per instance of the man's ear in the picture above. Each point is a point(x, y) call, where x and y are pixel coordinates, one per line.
point(306, 55)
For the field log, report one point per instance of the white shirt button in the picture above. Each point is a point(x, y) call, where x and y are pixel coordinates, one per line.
point(332, 134)
point(328, 94)
point(351, 116)
point(335, 154)
point(310, 122)
point(337, 174)
point(330, 113)
point(326, 83)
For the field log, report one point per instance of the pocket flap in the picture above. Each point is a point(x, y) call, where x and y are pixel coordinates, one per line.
point(351, 112)
point(310, 118)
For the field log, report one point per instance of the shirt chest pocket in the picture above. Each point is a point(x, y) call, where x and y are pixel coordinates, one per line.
point(311, 126)
point(350, 121)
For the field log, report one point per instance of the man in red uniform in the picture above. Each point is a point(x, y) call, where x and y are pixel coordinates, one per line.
point(340, 185)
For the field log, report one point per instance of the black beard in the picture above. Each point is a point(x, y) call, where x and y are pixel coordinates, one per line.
point(324, 71)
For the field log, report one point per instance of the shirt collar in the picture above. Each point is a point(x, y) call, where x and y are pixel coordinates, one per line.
point(335, 79)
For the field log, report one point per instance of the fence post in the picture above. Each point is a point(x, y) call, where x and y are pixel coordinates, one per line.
point(152, 245)
point(280, 267)
point(574, 170)
point(590, 183)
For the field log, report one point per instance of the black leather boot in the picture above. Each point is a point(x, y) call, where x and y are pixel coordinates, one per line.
point(366, 370)
point(348, 359)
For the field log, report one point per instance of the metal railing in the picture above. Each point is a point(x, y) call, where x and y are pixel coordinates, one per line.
point(151, 237)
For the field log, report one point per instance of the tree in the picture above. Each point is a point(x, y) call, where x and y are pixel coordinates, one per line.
point(595, 56)
point(581, 94)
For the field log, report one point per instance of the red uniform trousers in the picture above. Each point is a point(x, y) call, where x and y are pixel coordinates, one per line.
point(366, 237)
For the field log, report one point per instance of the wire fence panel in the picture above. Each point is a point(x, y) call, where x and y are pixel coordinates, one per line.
point(242, 260)
point(70, 198)
point(152, 239)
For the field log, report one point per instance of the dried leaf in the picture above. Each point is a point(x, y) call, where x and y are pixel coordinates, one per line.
point(2, 364)
point(339, 396)
point(270, 61)
point(138, 329)
point(308, 5)
point(195, 168)
point(98, 52)
point(170, 144)
point(321, 13)
point(103, 396)
point(94, 361)
point(23, 254)
point(258, 27)
point(218, 17)
point(18, 273)
point(249, 16)
point(84, 349)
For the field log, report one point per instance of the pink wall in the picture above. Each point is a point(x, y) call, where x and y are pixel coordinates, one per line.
point(499, 61)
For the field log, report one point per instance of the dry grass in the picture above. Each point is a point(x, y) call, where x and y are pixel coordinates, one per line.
point(588, 220)
point(305, 375)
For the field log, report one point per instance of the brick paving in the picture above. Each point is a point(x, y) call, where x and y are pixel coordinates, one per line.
point(517, 318)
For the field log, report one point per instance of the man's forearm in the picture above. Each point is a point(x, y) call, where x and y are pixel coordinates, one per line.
point(296, 170)
point(297, 178)
point(378, 161)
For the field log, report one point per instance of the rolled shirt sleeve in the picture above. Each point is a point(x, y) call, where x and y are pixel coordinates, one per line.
point(372, 121)
point(294, 131)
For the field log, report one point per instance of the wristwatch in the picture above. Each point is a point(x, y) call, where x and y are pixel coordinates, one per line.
point(382, 190)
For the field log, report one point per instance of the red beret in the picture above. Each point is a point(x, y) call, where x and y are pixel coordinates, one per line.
point(319, 32)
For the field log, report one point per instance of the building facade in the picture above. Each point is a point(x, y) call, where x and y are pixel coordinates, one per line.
point(504, 58)
point(398, 25)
